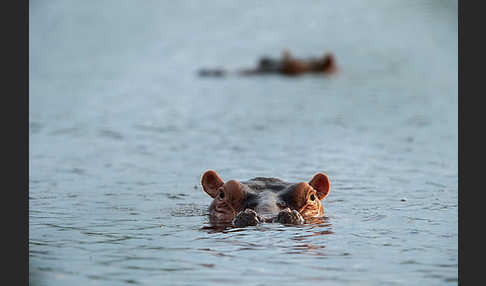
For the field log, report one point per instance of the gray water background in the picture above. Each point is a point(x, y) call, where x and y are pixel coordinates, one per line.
point(121, 129)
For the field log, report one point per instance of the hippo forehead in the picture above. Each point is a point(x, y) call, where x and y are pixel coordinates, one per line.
point(266, 195)
point(261, 184)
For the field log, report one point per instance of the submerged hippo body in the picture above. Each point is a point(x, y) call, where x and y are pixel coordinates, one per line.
point(286, 65)
point(244, 203)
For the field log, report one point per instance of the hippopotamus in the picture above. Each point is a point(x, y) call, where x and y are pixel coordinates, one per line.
point(287, 65)
point(260, 200)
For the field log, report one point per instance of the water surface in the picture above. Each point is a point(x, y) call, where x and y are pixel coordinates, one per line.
point(121, 129)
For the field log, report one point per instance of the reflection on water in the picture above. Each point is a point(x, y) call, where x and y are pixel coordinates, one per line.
point(121, 129)
point(301, 241)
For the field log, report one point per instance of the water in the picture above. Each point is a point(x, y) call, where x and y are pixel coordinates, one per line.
point(121, 129)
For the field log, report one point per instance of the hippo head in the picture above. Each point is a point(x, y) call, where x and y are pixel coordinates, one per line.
point(264, 196)
point(325, 64)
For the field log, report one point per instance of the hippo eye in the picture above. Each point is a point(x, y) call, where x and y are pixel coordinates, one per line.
point(312, 197)
point(221, 195)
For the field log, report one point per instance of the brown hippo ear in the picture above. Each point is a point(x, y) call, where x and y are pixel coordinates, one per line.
point(320, 182)
point(328, 56)
point(211, 182)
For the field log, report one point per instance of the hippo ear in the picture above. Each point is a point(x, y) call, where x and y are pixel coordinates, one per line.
point(211, 182)
point(328, 58)
point(320, 182)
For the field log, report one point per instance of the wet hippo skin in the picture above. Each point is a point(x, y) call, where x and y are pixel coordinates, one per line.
point(259, 200)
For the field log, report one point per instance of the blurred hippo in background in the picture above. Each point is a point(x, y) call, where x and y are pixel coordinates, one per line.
point(248, 203)
point(287, 65)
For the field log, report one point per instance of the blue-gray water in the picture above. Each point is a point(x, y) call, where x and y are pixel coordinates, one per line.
point(121, 129)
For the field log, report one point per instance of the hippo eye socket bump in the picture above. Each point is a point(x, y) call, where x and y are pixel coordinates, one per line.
point(312, 197)
point(221, 195)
